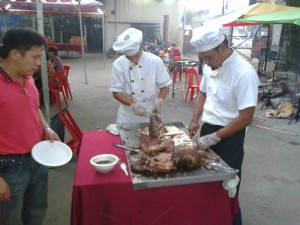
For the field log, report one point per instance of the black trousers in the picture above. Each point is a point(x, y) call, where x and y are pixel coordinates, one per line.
point(230, 149)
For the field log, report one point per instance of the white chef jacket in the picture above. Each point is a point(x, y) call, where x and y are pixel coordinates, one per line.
point(230, 88)
point(140, 82)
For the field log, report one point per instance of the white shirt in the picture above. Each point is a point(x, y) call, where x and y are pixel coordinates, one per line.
point(140, 83)
point(230, 88)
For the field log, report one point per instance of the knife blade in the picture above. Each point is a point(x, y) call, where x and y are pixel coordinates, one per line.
point(193, 140)
point(174, 134)
point(126, 147)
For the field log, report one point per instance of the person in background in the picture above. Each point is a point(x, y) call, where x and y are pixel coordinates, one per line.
point(55, 59)
point(139, 79)
point(227, 97)
point(50, 69)
point(23, 182)
point(37, 76)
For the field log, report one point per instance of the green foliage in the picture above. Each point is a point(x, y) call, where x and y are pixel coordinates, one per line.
point(295, 3)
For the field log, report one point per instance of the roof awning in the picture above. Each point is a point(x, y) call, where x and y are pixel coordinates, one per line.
point(260, 13)
point(230, 19)
point(89, 8)
point(266, 13)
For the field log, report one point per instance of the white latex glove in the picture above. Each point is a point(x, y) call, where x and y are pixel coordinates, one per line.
point(230, 186)
point(208, 140)
point(138, 109)
point(158, 104)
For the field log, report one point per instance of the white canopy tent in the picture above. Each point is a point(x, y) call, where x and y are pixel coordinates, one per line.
point(88, 8)
point(230, 19)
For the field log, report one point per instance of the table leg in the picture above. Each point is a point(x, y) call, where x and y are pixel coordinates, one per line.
point(273, 82)
point(267, 101)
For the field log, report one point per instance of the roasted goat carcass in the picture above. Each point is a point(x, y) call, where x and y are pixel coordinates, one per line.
point(159, 155)
point(180, 157)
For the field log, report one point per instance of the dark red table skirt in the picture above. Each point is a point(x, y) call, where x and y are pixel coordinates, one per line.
point(68, 47)
point(108, 199)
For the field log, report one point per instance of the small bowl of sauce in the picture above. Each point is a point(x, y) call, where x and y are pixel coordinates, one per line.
point(104, 163)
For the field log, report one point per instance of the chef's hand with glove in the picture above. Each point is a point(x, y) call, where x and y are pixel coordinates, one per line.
point(158, 104)
point(208, 140)
point(138, 109)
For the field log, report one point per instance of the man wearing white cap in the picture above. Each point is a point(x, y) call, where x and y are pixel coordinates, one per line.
point(139, 79)
point(227, 98)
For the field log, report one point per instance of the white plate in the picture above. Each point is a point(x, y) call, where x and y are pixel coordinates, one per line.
point(51, 154)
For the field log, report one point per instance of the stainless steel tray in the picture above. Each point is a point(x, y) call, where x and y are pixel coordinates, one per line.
point(129, 135)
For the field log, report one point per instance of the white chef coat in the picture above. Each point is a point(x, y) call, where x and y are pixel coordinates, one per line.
point(140, 82)
point(230, 88)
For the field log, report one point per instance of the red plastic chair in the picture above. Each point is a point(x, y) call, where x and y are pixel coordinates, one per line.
point(67, 88)
point(74, 130)
point(193, 83)
point(56, 85)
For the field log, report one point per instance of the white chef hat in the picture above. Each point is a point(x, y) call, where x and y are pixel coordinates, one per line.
point(207, 37)
point(129, 42)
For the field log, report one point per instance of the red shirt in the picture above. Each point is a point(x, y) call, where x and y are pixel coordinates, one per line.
point(20, 129)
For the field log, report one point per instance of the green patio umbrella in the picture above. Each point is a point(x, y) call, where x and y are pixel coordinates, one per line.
point(266, 13)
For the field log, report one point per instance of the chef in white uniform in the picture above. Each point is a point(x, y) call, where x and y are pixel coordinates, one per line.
point(139, 79)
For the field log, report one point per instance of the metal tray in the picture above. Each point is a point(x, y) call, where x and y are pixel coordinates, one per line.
point(129, 135)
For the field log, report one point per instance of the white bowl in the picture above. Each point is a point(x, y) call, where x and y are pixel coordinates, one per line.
point(104, 163)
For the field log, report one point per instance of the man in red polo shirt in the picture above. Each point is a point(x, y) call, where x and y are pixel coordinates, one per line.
point(23, 182)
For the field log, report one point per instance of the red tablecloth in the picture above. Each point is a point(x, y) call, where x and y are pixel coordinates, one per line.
point(109, 199)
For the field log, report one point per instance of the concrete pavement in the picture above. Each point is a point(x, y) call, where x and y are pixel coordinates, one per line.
point(269, 193)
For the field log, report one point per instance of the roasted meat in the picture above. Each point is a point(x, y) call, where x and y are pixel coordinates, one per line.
point(160, 163)
point(186, 156)
point(156, 127)
point(203, 154)
point(180, 157)
point(160, 156)
point(151, 145)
